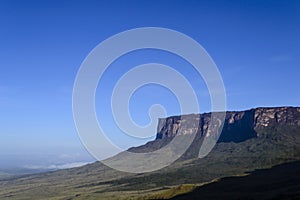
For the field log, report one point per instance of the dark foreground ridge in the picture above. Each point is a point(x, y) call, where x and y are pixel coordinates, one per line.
point(280, 182)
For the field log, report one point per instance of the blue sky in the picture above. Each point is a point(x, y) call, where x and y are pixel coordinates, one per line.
point(255, 44)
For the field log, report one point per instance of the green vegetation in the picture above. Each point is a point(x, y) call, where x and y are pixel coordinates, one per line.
point(275, 145)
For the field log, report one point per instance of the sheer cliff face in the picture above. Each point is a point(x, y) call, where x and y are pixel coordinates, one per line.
point(271, 116)
point(238, 126)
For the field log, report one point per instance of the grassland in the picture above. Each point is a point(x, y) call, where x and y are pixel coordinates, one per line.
point(96, 181)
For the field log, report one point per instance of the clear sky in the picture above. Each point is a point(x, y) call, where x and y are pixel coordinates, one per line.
point(255, 44)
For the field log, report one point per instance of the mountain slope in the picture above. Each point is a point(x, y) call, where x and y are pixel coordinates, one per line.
point(276, 143)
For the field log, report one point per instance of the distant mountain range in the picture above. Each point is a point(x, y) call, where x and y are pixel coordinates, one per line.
point(254, 139)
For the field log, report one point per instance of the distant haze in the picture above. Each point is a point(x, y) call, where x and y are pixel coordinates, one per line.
point(255, 44)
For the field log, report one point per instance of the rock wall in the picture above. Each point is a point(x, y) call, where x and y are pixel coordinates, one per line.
point(238, 126)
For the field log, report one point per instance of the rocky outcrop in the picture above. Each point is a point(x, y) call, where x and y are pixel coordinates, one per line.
point(238, 126)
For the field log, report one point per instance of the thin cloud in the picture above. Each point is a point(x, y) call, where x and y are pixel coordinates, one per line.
point(56, 166)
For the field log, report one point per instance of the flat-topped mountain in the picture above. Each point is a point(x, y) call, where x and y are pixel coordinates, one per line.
point(239, 126)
